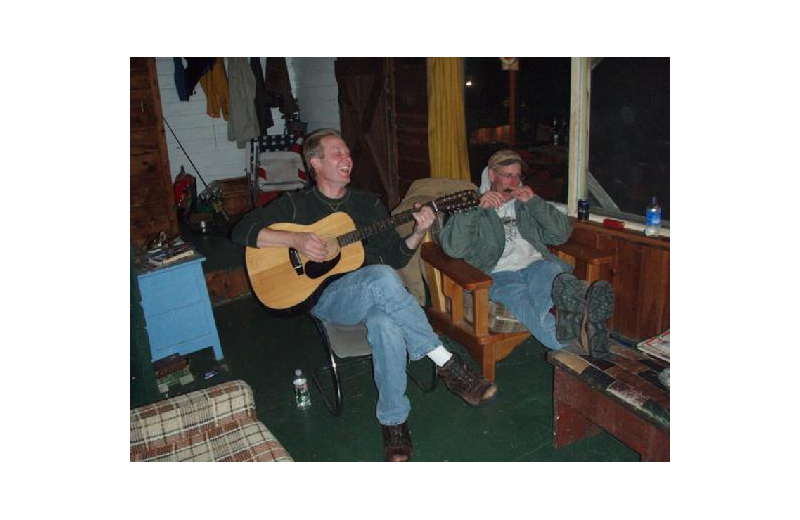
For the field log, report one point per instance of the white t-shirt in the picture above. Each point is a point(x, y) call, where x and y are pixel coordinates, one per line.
point(518, 253)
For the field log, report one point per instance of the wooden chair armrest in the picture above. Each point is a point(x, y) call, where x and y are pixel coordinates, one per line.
point(463, 274)
point(584, 253)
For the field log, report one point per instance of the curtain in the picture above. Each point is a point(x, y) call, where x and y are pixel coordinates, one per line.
point(447, 127)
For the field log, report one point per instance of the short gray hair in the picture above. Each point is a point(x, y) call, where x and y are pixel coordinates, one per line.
point(312, 146)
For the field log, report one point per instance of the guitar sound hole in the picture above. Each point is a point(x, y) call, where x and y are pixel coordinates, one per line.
point(317, 269)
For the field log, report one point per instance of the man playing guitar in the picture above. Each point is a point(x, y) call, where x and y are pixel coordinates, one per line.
point(373, 294)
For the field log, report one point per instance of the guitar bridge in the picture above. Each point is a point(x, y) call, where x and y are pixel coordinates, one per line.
point(294, 259)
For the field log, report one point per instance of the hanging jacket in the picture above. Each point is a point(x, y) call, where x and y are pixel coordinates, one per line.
point(215, 86)
point(263, 101)
point(186, 79)
point(277, 77)
point(242, 122)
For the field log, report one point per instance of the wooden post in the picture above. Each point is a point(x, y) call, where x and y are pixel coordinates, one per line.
point(580, 89)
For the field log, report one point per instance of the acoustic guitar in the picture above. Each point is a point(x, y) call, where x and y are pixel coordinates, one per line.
point(284, 279)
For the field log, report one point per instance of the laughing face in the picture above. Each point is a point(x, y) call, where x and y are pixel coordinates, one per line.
point(335, 165)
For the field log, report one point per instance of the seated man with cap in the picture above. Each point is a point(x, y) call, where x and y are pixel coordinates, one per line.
point(507, 238)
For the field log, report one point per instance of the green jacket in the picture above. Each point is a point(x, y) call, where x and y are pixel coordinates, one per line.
point(478, 236)
point(309, 205)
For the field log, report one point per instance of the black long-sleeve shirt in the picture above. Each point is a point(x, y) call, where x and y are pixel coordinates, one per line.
point(310, 205)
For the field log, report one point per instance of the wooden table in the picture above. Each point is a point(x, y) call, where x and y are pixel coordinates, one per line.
point(620, 394)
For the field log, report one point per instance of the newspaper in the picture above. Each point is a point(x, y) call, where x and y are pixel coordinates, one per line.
point(657, 346)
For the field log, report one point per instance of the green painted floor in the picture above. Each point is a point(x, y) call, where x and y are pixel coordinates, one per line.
point(264, 350)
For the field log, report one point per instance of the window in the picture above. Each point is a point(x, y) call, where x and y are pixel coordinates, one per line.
point(542, 104)
point(628, 152)
point(629, 134)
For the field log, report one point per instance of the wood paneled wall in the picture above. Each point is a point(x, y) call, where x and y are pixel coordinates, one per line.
point(152, 200)
point(410, 120)
point(639, 274)
point(384, 114)
point(363, 101)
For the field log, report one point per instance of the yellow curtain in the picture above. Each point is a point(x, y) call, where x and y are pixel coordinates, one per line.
point(447, 127)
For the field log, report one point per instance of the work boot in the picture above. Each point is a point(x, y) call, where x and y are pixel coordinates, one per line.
point(396, 443)
point(599, 309)
point(569, 299)
point(465, 383)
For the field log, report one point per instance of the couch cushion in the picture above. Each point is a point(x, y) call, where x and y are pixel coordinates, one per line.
point(218, 423)
point(500, 319)
point(240, 440)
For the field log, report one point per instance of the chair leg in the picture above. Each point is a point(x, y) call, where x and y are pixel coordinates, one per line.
point(334, 405)
point(334, 408)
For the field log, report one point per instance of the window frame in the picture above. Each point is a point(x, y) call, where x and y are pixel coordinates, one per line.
point(577, 185)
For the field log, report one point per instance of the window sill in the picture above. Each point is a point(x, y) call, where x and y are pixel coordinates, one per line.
point(631, 227)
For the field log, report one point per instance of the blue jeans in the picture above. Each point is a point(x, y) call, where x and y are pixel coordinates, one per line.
point(528, 295)
point(396, 328)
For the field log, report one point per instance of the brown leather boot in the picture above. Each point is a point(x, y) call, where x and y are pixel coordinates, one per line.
point(396, 443)
point(466, 383)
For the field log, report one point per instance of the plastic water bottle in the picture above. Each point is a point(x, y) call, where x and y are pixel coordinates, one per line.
point(301, 394)
point(652, 219)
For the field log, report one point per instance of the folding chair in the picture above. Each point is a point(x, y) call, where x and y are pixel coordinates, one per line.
point(347, 345)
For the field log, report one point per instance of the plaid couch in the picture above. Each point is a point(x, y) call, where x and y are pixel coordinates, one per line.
point(215, 424)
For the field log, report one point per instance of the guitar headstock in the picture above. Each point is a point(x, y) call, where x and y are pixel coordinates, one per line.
point(455, 202)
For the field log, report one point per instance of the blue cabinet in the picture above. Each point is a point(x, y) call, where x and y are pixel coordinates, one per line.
point(177, 309)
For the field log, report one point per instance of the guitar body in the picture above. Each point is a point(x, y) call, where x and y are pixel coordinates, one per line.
point(282, 281)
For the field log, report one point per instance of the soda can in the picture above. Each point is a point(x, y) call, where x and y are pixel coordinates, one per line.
point(583, 209)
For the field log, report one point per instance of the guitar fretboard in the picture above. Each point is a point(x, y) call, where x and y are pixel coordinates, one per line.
point(377, 227)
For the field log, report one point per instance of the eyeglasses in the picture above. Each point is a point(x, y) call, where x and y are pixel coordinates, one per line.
point(511, 176)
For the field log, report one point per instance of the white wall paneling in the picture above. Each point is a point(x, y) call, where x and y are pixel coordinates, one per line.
point(205, 138)
point(316, 91)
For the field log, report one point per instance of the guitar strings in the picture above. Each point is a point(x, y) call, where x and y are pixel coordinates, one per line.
point(400, 218)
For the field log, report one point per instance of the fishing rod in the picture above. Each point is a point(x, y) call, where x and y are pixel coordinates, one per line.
point(215, 197)
point(184, 151)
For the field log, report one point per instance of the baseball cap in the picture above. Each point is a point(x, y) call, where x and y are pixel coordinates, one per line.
point(504, 158)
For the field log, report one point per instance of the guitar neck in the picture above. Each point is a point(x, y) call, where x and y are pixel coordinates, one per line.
point(377, 227)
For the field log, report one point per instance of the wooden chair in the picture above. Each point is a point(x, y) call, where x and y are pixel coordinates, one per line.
point(449, 279)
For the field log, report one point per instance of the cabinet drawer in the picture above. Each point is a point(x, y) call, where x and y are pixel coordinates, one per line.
point(175, 287)
point(178, 326)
